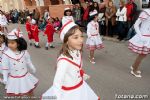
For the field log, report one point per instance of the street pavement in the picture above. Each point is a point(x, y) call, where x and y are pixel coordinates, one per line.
point(110, 76)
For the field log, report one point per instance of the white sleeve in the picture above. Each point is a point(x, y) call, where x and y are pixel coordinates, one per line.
point(29, 62)
point(118, 12)
point(72, 19)
point(63, 20)
point(59, 77)
point(89, 30)
point(5, 67)
point(137, 26)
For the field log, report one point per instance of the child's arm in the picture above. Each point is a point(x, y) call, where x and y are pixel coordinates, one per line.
point(59, 77)
point(29, 62)
point(5, 68)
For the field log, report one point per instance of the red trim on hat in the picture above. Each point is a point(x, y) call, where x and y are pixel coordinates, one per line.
point(65, 26)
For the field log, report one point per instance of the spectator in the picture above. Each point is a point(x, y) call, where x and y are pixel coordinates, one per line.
point(96, 6)
point(102, 22)
point(121, 20)
point(110, 18)
point(131, 10)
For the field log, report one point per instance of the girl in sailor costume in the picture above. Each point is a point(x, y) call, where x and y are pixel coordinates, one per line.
point(94, 40)
point(140, 43)
point(3, 21)
point(15, 63)
point(69, 81)
point(28, 29)
point(3, 48)
point(67, 16)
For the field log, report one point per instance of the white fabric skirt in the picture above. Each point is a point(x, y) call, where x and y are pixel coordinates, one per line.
point(140, 44)
point(21, 86)
point(94, 42)
point(84, 92)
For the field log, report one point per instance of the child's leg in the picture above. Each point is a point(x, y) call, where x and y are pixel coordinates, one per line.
point(92, 56)
point(137, 62)
point(6, 29)
point(31, 96)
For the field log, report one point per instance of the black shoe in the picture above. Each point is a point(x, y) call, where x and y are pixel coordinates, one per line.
point(37, 46)
point(30, 44)
point(52, 47)
point(46, 48)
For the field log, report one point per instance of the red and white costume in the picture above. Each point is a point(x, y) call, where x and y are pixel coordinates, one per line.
point(28, 29)
point(66, 19)
point(35, 32)
point(69, 81)
point(3, 20)
point(94, 40)
point(140, 43)
point(16, 76)
point(50, 30)
point(2, 49)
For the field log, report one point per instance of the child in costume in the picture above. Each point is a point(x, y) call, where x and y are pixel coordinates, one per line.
point(94, 40)
point(69, 82)
point(15, 64)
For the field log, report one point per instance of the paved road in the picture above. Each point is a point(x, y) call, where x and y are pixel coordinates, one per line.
point(110, 76)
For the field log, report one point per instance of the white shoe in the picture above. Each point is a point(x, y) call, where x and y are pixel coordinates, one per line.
point(92, 58)
point(93, 62)
point(139, 72)
point(136, 75)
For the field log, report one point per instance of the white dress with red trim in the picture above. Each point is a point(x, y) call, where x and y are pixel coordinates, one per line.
point(69, 81)
point(94, 40)
point(66, 19)
point(140, 43)
point(2, 49)
point(3, 20)
point(20, 81)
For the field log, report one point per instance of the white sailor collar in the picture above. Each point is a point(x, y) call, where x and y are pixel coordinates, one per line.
point(9, 53)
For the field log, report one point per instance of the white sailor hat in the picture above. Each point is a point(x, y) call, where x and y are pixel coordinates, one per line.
point(14, 34)
point(66, 27)
point(94, 12)
point(67, 8)
point(33, 21)
point(28, 17)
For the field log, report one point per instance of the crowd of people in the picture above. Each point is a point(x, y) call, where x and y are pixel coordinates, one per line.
point(69, 81)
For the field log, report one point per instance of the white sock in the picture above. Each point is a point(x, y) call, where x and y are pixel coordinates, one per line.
point(51, 44)
point(47, 44)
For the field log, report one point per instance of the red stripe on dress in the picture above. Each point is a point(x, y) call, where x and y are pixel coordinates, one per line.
point(73, 87)
point(19, 76)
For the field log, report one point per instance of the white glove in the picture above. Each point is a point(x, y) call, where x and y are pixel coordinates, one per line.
point(85, 76)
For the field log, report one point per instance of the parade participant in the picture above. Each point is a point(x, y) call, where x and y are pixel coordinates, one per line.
point(3, 47)
point(67, 16)
point(69, 81)
point(94, 40)
point(140, 43)
point(28, 29)
point(35, 32)
point(49, 32)
point(3, 21)
point(15, 63)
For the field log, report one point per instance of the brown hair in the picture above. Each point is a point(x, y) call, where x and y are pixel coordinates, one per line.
point(64, 50)
point(122, 2)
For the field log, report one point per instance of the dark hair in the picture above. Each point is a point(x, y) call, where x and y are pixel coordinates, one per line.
point(4, 38)
point(21, 42)
point(92, 17)
point(65, 12)
point(64, 49)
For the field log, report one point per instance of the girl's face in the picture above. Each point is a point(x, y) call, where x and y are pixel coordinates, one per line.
point(75, 41)
point(1, 39)
point(96, 18)
point(68, 13)
point(12, 44)
point(95, 4)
